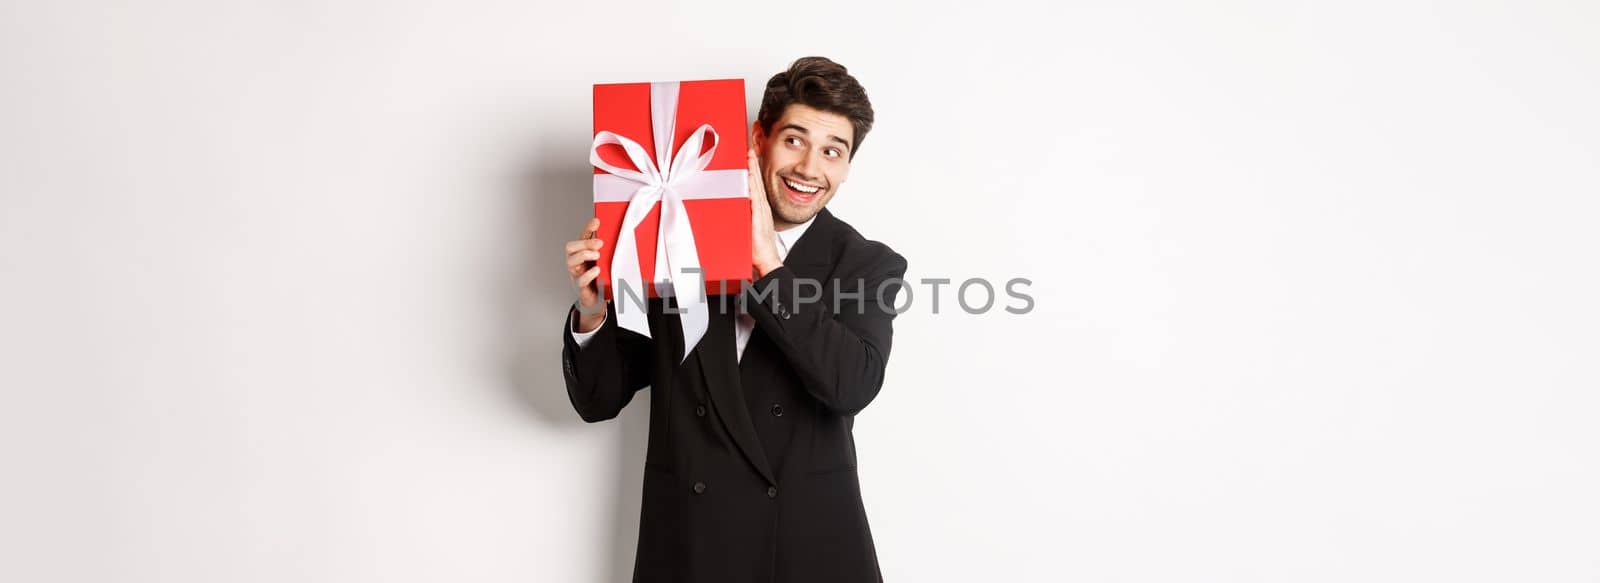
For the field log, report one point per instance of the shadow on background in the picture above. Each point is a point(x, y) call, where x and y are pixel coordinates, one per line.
point(554, 198)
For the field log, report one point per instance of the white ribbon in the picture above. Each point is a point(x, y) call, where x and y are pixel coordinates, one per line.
point(685, 177)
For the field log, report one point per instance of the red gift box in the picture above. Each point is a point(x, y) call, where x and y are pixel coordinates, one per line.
point(703, 168)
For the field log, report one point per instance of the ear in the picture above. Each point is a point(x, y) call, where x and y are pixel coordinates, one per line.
point(758, 137)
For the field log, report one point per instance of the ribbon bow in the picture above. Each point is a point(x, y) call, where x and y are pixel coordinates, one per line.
point(669, 179)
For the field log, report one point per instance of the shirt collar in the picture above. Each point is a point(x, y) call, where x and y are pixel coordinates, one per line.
point(787, 239)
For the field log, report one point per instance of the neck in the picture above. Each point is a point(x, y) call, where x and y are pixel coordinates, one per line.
point(782, 225)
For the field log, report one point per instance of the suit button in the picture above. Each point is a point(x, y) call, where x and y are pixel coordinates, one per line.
point(772, 491)
point(699, 487)
point(777, 410)
point(700, 410)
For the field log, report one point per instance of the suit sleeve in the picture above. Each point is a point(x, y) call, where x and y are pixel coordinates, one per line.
point(604, 373)
point(839, 348)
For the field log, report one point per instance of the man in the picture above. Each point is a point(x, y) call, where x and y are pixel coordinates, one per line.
point(750, 473)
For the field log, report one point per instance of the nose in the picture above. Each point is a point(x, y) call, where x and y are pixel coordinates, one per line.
point(808, 166)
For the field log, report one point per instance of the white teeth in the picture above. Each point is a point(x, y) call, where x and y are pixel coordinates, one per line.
point(802, 187)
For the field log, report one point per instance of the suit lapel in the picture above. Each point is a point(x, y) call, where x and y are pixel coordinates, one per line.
point(810, 256)
point(716, 355)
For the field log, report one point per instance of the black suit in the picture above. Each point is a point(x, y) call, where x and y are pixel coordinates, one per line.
point(750, 473)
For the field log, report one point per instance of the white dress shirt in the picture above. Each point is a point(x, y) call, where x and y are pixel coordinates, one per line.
point(744, 324)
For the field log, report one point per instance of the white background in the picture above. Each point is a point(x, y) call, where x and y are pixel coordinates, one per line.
point(1314, 287)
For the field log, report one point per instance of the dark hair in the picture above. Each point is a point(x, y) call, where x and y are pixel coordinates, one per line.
point(822, 84)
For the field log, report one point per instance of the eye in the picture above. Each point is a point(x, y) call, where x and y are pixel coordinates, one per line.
point(832, 152)
point(791, 140)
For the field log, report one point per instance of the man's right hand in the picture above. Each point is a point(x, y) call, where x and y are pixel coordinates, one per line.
point(582, 257)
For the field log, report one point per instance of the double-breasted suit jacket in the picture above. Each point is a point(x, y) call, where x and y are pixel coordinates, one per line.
point(750, 472)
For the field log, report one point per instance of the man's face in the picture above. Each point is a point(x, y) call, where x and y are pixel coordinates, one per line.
point(803, 161)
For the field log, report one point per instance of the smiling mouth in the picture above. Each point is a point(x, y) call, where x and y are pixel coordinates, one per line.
point(801, 191)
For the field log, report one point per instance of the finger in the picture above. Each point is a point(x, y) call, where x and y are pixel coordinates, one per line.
point(576, 264)
point(755, 189)
point(582, 256)
point(590, 228)
point(573, 246)
point(588, 276)
point(758, 195)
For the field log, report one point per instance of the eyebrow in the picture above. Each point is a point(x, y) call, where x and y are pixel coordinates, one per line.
point(790, 126)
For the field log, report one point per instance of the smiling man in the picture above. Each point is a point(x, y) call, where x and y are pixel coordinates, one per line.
point(751, 472)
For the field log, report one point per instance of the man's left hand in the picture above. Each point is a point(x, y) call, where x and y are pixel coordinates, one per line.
point(763, 248)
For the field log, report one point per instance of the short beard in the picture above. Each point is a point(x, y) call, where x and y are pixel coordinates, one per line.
point(793, 219)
